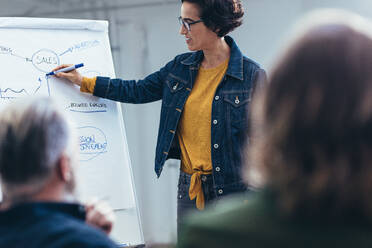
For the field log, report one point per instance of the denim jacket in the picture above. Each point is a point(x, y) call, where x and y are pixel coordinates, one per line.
point(172, 84)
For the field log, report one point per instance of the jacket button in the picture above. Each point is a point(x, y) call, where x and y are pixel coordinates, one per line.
point(220, 191)
point(216, 146)
point(216, 98)
point(175, 87)
point(215, 122)
point(237, 101)
point(218, 169)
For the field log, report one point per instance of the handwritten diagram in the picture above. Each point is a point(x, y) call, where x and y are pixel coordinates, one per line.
point(92, 140)
point(43, 60)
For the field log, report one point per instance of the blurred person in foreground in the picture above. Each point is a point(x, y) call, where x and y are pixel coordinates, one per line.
point(37, 168)
point(311, 147)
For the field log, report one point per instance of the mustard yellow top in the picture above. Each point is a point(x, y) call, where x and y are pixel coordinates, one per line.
point(194, 130)
point(88, 84)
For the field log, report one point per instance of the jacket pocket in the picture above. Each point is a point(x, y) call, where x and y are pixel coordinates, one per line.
point(236, 106)
point(174, 85)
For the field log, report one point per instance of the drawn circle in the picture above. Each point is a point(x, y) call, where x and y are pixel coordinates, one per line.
point(45, 60)
point(92, 142)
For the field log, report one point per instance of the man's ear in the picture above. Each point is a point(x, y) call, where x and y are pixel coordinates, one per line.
point(64, 168)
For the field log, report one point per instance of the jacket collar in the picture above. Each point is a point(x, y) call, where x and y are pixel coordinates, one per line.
point(235, 68)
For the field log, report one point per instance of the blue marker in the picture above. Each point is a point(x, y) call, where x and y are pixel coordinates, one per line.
point(70, 68)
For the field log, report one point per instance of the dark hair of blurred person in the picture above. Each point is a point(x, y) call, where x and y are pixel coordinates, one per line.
point(310, 149)
point(313, 143)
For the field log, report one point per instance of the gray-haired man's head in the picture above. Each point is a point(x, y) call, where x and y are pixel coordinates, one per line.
point(34, 136)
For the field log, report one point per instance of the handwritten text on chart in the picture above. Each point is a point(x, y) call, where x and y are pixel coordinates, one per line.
point(87, 107)
point(92, 142)
point(89, 143)
point(5, 50)
point(45, 60)
point(81, 46)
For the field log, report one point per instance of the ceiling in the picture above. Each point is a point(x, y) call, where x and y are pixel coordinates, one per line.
point(56, 7)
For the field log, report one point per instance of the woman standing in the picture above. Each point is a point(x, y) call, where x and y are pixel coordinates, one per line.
point(205, 94)
point(311, 149)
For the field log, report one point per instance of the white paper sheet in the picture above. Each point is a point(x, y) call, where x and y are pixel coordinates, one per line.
point(29, 48)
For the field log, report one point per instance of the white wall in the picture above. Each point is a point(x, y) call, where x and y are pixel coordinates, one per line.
point(143, 40)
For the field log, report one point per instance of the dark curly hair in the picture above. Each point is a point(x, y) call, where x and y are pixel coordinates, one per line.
point(221, 16)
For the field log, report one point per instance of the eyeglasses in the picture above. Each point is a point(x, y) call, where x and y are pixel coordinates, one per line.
point(186, 24)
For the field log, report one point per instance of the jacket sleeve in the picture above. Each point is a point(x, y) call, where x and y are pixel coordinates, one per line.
point(146, 90)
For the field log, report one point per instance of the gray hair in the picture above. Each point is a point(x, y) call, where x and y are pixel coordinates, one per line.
point(33, 135)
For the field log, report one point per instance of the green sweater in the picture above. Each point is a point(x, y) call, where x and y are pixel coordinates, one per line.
point(256, 223)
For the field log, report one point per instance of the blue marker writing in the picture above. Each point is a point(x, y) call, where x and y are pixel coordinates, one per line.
point(70, 68)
